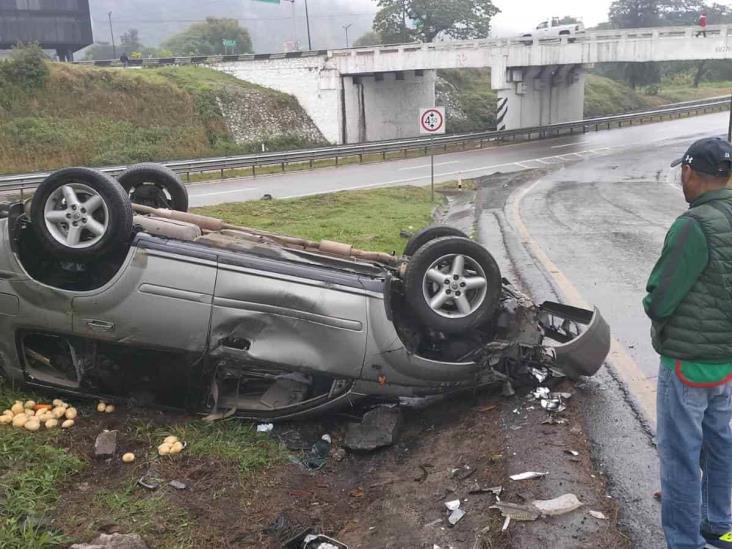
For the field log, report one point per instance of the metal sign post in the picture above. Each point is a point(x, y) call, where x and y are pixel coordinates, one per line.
point(431, 122)
point(432, 169)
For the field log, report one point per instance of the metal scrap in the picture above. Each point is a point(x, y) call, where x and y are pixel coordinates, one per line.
point(320, 541)
point(478, 489)
point(528, 475)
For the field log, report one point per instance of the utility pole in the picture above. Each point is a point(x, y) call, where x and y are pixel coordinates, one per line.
point(111, 31)
point(729, 130)
point(307, 21)
point(345, 28)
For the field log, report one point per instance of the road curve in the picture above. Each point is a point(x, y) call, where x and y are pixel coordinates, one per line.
point(472, 163)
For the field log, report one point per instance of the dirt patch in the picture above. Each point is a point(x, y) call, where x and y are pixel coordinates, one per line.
point(391, 498)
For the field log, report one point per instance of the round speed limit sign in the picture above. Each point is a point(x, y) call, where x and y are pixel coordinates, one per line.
point(432, 121)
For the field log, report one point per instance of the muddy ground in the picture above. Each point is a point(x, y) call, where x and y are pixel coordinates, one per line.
point(390, 498)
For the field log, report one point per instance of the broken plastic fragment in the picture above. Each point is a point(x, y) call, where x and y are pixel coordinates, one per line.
point(453, 505)
point(540, 374)
point(598, 515)
point(265, 427)
point(455, 516)
point(518, 512)
point(528, 475)
point(541, 392)
point(505, 524)
point(557, 506)
point(572, 452)
point(553, 405)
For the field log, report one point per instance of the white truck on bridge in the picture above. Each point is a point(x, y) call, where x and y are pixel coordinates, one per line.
point(551, 28)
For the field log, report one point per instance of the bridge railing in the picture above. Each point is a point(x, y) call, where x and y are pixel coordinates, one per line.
point(650, 33)
point(380, 149)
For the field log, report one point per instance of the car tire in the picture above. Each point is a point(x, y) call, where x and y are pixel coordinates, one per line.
point(421, 237)
point(154, 185)
point(70, 226)
point(468, 294)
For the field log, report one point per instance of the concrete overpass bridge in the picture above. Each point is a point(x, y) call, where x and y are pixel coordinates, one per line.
point(375, 93)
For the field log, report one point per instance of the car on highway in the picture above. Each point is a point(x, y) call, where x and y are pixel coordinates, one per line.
point(553, 28)
point(111, 289)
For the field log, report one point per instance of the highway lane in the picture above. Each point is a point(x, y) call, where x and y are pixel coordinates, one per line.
point(591, 231)
point(471, 163)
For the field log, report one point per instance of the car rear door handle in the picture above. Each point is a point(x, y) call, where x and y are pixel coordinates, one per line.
point(100, 325)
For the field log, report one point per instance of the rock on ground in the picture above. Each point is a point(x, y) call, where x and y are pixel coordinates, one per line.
point(106, 444)
point(379, 427)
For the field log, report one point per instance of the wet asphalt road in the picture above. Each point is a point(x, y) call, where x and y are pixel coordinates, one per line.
point(448, 167)
point(602, 222)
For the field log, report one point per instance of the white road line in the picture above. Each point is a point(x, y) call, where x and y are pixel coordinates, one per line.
point(565, 145)
point(524, 165)
point(427, 165)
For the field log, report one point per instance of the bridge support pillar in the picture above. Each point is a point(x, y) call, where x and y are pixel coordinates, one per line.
point(385, 105)
point(539, 96)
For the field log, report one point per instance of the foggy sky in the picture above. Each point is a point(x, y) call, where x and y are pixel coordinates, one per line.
point(272, 25)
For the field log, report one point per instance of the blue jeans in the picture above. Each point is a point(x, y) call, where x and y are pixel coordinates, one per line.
point(695, 447)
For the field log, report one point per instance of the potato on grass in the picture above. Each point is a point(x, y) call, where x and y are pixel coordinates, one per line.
point(68, 424)
point(19, 420)
point(32, 424)
point(129, 457)
point(71, 413)
point(51, 423)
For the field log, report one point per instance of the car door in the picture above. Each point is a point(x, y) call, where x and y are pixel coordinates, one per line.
point(288, 315)
point(161, 298)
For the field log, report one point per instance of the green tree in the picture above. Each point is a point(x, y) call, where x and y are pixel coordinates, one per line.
point(625, 14)
point(130, 41)
point(370, 38)
point(207, 38)
point(628, 14)
point(425, 20)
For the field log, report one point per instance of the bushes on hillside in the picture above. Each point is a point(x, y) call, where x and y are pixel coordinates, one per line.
point(22, 73)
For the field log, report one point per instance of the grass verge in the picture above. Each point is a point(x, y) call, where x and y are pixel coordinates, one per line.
point(370, 219)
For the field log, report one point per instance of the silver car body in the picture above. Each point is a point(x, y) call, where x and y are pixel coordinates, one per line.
point(225, 325)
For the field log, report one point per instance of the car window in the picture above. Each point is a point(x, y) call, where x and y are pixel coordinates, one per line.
point(543, 25)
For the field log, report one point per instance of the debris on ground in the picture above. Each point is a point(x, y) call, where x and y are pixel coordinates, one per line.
point(265, 427)
point(557, 506)
point(178, 485)
point(105, 445)
point(517, 511)
point(129, 457)
point(455, 512)
point(318, 454)
point(114, 541)
point(598, 515)
point(476, 488)
point(150, 481)
point(322, 542)
point(528, 475)
point(379, 427)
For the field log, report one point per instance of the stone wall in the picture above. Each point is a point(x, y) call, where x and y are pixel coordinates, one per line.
point(256, 115)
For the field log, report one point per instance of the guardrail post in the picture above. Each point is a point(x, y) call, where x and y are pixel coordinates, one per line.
point(336, 160)
point(283, 166)
point(311, 163)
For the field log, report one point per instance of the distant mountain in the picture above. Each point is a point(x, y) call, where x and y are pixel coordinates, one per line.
point(270, 25)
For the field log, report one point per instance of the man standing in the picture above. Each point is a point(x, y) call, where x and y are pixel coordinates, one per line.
point(702, 25)
point(690, 303)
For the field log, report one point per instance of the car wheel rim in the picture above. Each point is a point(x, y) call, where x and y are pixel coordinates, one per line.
point(455, 286)
point(76, 216)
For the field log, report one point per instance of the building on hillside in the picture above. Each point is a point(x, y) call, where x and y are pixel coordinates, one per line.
point(61, 25)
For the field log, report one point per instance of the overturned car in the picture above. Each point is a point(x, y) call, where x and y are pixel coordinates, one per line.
point(110, 289)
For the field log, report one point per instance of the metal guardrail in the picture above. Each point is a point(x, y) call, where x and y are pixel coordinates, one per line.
point(382, 148)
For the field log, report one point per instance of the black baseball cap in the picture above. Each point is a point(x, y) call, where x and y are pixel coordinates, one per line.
point(711, 155)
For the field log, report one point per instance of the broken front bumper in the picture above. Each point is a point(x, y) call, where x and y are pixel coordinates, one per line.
point(579, 338)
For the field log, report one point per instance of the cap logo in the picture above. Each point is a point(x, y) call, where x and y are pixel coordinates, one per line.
point(689, 159)
point(726, 155)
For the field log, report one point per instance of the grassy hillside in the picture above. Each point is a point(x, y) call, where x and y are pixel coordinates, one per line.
point(90, 116)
